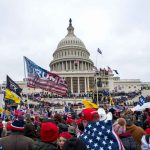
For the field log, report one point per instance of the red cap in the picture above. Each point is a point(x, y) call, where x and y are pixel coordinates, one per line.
point(79, 121)
point(49, 132)
point(70, 121)
point(65, 135)
point(87, 114)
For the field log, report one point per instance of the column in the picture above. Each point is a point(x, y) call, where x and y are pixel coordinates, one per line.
point(66, 66)
point(88, 83)
point(61, 66)
point(82, 65)
point(70, 66)
point(87, 66)
point(57, 67)
point(78, 65)
point(85, 83)
point(78, 85)
point(71, 85)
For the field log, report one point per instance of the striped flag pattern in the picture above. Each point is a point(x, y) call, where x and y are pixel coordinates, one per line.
point(41, 78)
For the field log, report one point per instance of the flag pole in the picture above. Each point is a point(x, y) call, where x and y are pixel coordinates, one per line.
point(96, 84)
point(26, 79)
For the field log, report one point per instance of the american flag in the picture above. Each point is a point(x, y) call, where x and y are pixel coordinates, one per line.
point(109, 70)
point(41, 78)
point(100, 136)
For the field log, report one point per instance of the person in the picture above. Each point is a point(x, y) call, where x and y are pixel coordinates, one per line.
point(136, 131)
point(16, 140)
point(29, 130)
point(72, 130)
point(90, 115)
point(1, 127)
point(63, 137)
point(49, 133)
point(127, 140)
point(74, 144)
point(145, 142)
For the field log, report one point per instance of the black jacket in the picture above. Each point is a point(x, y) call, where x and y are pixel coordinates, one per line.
point(44, 146)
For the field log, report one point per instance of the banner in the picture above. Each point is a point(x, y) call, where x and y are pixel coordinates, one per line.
point(12, 86)
point(88, 104)
point(41, 78)
point(11, 95)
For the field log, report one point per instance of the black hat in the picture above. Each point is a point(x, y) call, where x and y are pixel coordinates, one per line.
point(74, 144)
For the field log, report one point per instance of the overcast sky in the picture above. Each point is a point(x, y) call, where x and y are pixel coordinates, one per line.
point(33, 28)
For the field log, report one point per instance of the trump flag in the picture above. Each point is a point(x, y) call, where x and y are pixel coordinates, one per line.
point(41, 78)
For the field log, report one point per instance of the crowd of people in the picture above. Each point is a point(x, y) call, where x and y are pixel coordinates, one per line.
point(41, 128)
point(40, 95)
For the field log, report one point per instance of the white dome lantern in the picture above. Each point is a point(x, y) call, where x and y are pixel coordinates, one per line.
point(71, 39)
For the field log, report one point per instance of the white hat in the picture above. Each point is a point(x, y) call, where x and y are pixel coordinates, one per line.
point(109, 116)
point(102, 114)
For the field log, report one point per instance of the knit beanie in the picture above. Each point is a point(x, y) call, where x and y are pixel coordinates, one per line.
point(62, 127)
point(65, 135)
point(120, 126)
point(88, 113)
point(74, 144)
point(49, 132)
point(17, 125)
point(57, 118)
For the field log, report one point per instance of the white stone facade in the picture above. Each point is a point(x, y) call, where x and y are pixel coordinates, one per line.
point(71, 61)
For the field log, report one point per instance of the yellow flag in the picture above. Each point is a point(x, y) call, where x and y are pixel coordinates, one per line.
point(1, 110)
point(88, 104)
point(11, 95)
point(111, 101)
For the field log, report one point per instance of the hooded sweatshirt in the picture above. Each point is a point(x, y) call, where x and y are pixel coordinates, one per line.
point(137, 133)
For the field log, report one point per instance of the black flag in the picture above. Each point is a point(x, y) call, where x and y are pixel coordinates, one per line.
point(99, 51)
point(116, 71)
point(12, 86)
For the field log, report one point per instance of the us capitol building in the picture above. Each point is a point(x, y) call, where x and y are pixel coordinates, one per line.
point(71, 60)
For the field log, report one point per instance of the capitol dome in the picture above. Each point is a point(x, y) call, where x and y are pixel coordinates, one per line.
point(71, 54)
point(71, 39)
point(71, 60)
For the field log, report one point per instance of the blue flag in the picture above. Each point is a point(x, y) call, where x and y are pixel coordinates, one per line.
point(100, 136)
point(141, 100)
